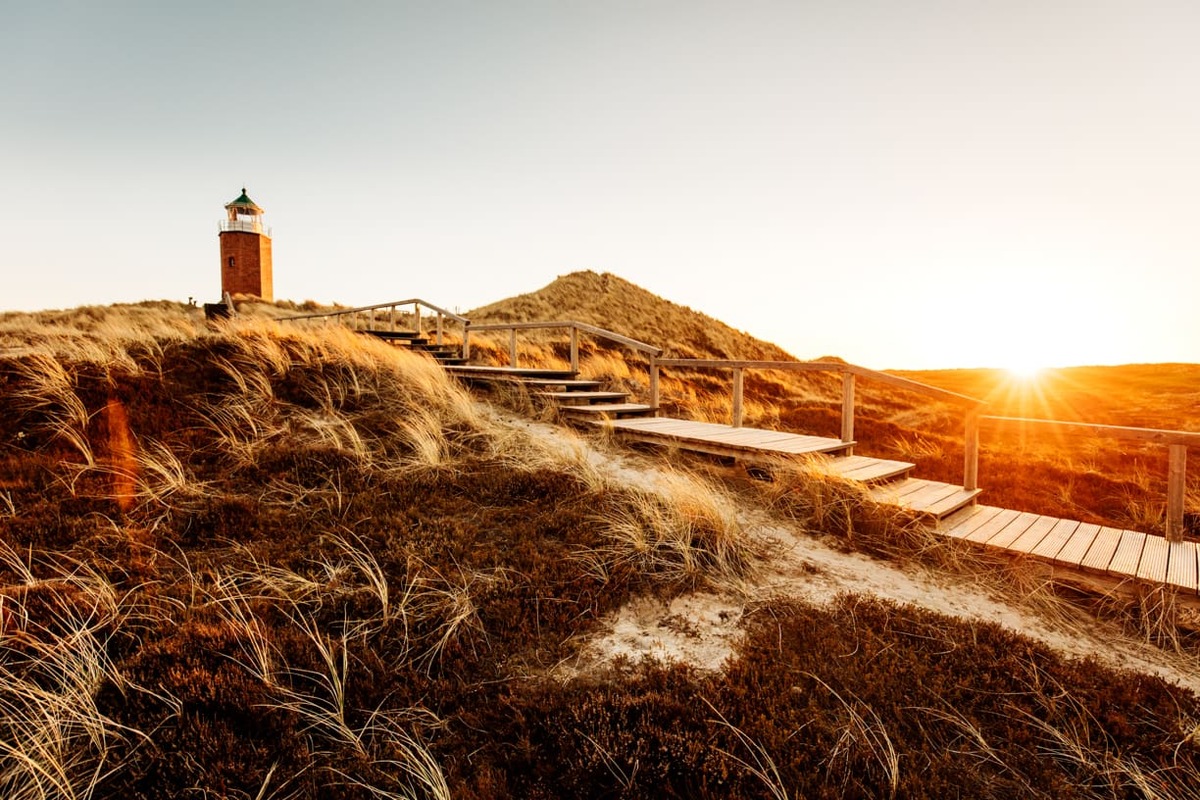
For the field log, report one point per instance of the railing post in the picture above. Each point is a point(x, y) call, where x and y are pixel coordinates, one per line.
point(1176, 483)
point(737, 396)
point(574, 349)
point(654, 383)
point(417, 316)
point(848, 410)
point(466, 350)
point(512, 347)
point(392, 318)
point(439, 328)
point(971, 450)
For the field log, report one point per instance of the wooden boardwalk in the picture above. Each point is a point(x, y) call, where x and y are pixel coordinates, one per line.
point(1117, 554)
point(889, 480)
point(724, 440)
point(1097, 557)
point(1112, 555)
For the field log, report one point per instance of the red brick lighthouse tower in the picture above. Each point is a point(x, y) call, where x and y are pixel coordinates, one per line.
point(245, 250)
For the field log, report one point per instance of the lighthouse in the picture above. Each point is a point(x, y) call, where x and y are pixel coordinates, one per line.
point(245, 250)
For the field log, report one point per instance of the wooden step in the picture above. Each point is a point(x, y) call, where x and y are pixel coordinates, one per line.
point(609, 411)
point(865, 469)
point(747, 444)
point(584, 398)
point(566, 384)
point(927, 498)
point(476, 371)
point(394, 335)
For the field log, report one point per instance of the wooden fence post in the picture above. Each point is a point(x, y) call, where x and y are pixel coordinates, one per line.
point(512, 347)
point(392, 318)
point(574, 349)
point(971, 450)
point(466, 348)
point(417, 316)
point(654, 383)
point(1176, 484)
point(737, 396)
point(439, 328)
point(848, 410)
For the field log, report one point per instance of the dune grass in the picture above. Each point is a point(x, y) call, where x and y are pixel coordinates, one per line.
point(258, 561)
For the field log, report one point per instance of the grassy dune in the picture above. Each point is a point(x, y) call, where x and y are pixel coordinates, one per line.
point(266, 562)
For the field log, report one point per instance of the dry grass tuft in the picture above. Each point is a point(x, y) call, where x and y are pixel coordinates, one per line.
point(681, 529)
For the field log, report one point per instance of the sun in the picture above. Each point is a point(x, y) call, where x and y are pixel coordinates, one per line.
point(1026, 370)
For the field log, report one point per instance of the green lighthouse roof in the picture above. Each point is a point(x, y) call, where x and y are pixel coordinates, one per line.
point(243, 201)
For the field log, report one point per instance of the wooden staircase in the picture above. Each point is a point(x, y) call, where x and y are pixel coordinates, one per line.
point(577, 400)
point(583, 402)
point(888, 481)
point(447, 355)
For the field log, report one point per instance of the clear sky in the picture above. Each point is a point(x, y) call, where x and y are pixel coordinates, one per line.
point(912, 184)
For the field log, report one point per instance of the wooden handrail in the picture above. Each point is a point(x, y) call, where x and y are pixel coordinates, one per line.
point(1155, 435)
point(823, 366)
point(416, 304)
point(1177, 443)
point(849, 373)
point(393, 304)
point(602, 333)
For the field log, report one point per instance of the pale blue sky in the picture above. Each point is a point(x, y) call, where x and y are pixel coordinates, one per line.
point(905, 185)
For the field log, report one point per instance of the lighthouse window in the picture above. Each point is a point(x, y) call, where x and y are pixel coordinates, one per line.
point(231, 262)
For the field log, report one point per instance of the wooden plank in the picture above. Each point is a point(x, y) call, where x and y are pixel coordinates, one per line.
point(750, 435)
point(878, 469)
point(1100, 554)
point(1054, 541)
point(775, 441)
point(567, 383)
point(903, 488)
point(802, 446)
point(929, 494)
point(948, 505)
point(998, 522)
point(1129, 553)
point(1077, 546)
point(663, 426)
point(1155, 554)
point(967, 521)
point(577, 396)
point(844, 463)
point(892, 493)
point(1023, 536)
point(471, 370)
point(1182, 566)
point(983, 524)
point(606, 408)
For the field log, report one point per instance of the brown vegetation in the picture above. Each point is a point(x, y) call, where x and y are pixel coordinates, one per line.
point(302, 564)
